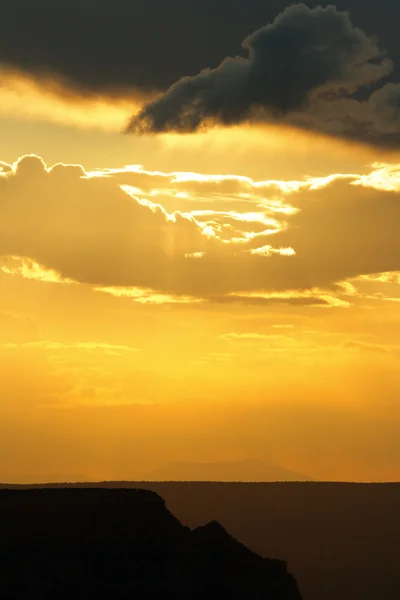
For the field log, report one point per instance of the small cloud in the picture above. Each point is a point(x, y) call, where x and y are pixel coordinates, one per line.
point(269, 251)
point(387, 277)
point(80, 346)
point(365, 347)
point(147, 296)
point(312, 297)
point(195, 255)
point(29, 269)
point(250, 336)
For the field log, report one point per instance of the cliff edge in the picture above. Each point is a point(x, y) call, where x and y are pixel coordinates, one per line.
point(100, 543)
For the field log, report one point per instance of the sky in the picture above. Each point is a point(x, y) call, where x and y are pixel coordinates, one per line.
point(199, 250)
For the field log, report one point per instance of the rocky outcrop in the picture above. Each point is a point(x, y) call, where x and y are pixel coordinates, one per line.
point(100, 543)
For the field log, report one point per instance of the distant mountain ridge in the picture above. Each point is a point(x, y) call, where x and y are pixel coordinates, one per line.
point(240, 470)
point(92, 543)
point(43, 478)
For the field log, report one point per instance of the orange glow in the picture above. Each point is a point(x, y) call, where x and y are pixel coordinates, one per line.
point(24, 97)
point(149, 315)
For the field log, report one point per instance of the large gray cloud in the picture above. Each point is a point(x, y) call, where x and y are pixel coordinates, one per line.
point(106, 47)
point(128, 49)
point(103, 47)
point(304, 68)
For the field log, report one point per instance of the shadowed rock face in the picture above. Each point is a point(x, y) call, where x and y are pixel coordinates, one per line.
point(99, 543)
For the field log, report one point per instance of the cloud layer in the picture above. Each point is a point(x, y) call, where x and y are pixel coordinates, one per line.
point(185, 237)
point(96, 48)
point(148, 44)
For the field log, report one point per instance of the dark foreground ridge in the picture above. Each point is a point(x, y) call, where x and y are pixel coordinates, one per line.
point(83, 543)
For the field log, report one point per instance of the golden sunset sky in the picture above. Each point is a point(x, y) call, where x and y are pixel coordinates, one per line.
point(218, 295)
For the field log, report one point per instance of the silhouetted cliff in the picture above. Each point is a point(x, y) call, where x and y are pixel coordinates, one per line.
point(98, 543)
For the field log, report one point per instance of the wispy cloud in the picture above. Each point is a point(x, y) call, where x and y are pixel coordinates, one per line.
point(147, 296)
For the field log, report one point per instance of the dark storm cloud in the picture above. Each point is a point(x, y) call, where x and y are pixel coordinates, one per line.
point(127, 48)
point(99, 46)
point(307, 61)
